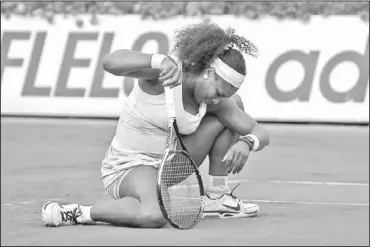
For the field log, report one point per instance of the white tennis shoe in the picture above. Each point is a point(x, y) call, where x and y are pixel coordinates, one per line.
point(55, 214)
point(228, 206)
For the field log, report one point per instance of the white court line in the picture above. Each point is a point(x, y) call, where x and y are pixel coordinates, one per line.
point(313, 203)
point(243, 181)
point(299, 202)
point(261, 201)
point(250, 200)
point(299, 182)
point(30, 202)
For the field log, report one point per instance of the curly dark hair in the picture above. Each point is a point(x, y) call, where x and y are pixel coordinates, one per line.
point(198, 45)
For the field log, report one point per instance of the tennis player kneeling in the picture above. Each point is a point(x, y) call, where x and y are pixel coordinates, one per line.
point(205, 70)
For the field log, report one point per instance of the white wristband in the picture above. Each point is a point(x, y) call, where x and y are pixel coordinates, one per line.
point(256, 141)
point(156, 61)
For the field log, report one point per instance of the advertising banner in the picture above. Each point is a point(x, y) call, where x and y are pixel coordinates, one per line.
point(314, 72)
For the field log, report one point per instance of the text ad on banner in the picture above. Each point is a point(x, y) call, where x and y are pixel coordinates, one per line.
point(308, 72)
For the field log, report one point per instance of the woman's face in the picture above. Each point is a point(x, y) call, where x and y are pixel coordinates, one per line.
point(212, 89)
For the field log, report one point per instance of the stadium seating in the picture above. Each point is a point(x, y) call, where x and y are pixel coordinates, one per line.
point(300, 11)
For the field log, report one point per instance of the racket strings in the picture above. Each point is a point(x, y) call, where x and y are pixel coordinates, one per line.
point(180, 189)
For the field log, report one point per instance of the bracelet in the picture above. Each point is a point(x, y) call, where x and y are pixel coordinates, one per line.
point(156, 61)
point(250, 144)
point(253, 140)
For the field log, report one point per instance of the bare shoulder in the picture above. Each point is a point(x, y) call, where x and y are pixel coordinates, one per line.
point(225, 104)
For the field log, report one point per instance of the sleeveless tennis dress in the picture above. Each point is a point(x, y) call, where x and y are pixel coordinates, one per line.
point(141, 134)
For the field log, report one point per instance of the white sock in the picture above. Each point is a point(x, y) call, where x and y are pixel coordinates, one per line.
point(217, 185)
point(85, 218)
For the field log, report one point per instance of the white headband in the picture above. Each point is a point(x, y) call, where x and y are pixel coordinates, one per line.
point(228, 74)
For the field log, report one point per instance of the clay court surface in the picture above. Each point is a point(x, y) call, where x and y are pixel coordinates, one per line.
point(312, 184)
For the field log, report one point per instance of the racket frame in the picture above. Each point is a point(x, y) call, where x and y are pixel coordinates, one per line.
point(173, 128)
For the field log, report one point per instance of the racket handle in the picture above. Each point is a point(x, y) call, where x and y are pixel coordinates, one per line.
point(170, 103)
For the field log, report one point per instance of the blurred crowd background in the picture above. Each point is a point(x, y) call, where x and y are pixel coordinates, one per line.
point(301, 11)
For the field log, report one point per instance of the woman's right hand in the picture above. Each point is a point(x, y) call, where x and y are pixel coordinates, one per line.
point(171, 74)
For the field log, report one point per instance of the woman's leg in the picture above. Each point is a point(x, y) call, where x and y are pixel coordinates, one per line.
point(220, 147)
point(138, 206)
point(214, 139)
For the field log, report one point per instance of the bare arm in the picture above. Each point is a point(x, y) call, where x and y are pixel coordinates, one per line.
point(229, 113)
point(131, 64)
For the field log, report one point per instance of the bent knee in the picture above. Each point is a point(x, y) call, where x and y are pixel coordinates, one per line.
point(211, 123)
point(238, 101)
point(151, 219)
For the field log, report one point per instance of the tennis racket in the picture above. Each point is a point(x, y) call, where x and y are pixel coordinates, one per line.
point(179, 184)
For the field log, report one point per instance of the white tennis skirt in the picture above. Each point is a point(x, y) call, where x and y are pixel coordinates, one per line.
point(118, 162)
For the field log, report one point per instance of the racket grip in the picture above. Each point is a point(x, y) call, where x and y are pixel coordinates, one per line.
point(170, 103)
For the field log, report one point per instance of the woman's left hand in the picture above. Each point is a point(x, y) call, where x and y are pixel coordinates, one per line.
point(236, 157)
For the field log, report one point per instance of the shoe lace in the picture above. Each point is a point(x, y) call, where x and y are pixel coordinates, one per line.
point(232, 191)
point(70, 215)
